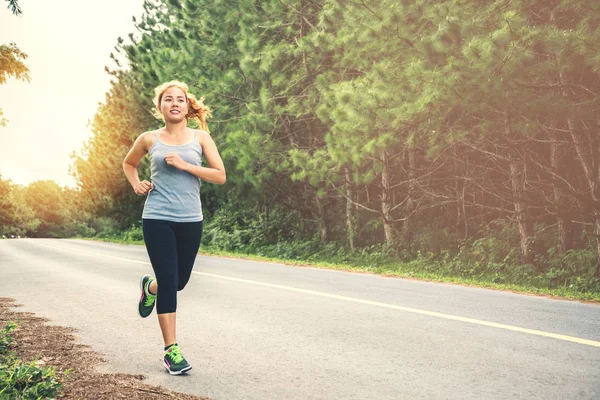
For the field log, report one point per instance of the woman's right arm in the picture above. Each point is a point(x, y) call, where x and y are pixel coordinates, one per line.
point(130, 164)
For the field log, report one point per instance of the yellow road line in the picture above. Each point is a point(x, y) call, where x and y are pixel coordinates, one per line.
point(372, 303)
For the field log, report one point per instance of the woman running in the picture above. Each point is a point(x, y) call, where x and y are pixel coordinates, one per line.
point(172, 217)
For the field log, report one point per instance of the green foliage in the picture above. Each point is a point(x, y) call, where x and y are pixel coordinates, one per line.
point(573, 269)
point(11, 61)
point(6, 338)
point(570, 272)
point(19, 380)
point(42, 209)
point(498, 245)
point(104, 226)
point(132, 235)
point(16, 217)
point(27, 381)
point(80, 229)
point(13, 5)
point(466, 128)
point(45, 198)
point(249, 228)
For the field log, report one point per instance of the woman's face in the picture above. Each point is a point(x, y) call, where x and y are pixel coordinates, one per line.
point(173, 105)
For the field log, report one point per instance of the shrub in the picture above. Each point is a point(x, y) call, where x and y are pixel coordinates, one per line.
point(133, 234)
point(574, 269)
point(104, 226)
point(234, 227)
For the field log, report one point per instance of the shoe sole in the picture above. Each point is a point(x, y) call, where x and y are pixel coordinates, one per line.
point(141, 291)
point(176, 372)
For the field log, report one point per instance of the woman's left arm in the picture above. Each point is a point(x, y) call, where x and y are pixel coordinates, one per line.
point(214, 173)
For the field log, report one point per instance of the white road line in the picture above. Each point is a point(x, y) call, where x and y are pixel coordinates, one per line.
point(567, 338)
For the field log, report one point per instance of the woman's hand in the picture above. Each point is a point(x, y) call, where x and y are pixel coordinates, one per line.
point(174, 160)
point(143, 188)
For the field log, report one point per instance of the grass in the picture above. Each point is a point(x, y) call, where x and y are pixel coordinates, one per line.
point(405, 270)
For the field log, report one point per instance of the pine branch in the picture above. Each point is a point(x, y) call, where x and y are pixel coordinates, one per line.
point(367, 7)
point(13, 5)
point(493, 155)
point(503, 210)
point(343, 194)
point(417, 179)
point(485, 190)
point(422, 209)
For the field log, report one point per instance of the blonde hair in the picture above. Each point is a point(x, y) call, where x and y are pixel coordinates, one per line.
point(196, 108)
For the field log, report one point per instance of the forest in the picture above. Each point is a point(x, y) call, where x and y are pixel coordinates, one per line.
point(459, 137)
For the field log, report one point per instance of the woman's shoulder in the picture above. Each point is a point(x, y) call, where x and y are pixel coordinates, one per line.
point(148, 138)
point(201, 135)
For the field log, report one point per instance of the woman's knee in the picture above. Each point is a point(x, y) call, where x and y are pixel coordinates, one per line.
point(181, 285)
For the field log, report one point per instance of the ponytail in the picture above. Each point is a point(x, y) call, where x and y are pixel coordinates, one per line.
point(198, 110)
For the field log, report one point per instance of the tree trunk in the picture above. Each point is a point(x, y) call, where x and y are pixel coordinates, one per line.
point(596, 209)
point(302, 224)
point(517, 180)
point(565, 237)
point(457, 224)
point(386, 206)
point(351, 232)
point(407, 228)
point(464, 208)
point(460, 227)
point(323, 231)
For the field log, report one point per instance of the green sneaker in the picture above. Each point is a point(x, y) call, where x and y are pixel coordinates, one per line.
point(147, 300)
point(174, 361)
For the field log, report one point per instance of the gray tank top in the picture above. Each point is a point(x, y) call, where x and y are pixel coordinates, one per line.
point(176, 194)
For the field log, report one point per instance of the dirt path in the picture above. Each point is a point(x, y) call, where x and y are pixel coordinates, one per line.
point(56, 346)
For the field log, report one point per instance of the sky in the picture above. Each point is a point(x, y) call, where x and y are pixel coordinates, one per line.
point(68, 43)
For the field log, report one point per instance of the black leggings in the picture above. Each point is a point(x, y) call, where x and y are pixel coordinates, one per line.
point(172, 248)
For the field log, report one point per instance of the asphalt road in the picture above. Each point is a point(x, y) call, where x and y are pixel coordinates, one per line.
point(255, 330)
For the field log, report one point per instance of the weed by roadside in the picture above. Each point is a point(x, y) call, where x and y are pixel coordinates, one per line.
point(23, 380)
